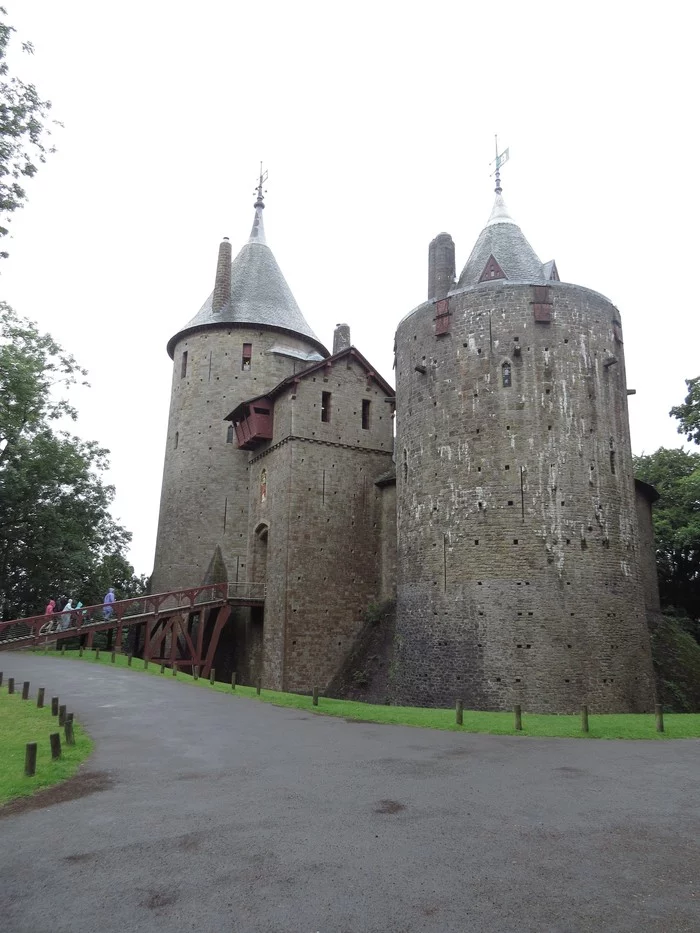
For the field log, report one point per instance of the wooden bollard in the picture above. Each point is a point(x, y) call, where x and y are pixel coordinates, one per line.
point(10, 684)
point(113, 656)
point(233, 681)
point(518, 718)
point(69, 717)
point(70, 738)
point(25, 690)
point(80, 651)
point(259, 686)
point(55, 740)
point(97, 654)
point(195, 672)
point(659, 717)
point(212, 676)
point(128, 660)
point(175, 670)
point(40, 697)
point(54, 706)
point(584, 718)
point(162, 668)
point(63, 651)
point(0, 678)
point(314, 696)
point(145, 664)
point(61, 715)
point(459, 712)
point(30, 759)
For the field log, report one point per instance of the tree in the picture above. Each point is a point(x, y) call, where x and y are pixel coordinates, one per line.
point(689, 412)
point(676, 476)
point(24, 131)
point(56, 533)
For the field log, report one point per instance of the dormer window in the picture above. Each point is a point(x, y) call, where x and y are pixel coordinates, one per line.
point(492, 271)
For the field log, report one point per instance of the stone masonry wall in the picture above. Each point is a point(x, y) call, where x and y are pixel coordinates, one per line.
point(321, 513)
point(204, 497)
point(518, 549)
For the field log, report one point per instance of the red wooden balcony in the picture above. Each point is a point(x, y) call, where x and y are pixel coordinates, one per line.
point(252, 422)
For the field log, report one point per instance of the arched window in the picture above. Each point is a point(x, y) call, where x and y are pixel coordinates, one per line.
point(263, 485)
point(507, 374)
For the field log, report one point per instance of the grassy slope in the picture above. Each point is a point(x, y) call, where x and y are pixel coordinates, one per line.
point(629, 726)
point(22, 722)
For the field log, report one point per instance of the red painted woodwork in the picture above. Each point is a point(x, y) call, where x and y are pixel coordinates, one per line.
point(442, 316)
point(256, 424)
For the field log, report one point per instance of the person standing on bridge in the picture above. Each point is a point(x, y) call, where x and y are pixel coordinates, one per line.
point(65, 618)
point(107, 610)
point(50, 607)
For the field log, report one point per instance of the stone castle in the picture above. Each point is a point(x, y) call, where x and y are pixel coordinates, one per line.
point(501, 513)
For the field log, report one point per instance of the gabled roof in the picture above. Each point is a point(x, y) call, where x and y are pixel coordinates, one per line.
point(503, 240)
point(259, 294)
point(322, 364)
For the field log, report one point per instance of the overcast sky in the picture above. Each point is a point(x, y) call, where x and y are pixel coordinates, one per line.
point(376, 121)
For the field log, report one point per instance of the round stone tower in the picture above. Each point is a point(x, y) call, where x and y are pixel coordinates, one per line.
point(248, 336)
point(518, 555)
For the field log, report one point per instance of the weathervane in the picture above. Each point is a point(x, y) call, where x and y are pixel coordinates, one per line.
point(259, 187)
point(498, 162)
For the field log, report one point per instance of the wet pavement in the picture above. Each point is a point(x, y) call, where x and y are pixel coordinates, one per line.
point(200, 811)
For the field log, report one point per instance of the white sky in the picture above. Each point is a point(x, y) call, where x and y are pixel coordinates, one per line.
point(376, 121)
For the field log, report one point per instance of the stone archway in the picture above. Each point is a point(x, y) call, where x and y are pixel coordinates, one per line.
point(259, 570)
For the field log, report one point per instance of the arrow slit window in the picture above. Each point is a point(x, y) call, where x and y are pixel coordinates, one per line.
point(506, 375)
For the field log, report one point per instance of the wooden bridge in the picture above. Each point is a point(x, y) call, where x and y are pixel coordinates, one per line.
point(179, 629)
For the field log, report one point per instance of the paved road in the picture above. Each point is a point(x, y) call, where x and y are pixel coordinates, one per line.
point(226, 815)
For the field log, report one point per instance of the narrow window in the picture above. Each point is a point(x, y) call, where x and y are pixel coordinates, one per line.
point(183, 369)
point(365, 413)
point(229, 434)
point(325, 406)
point(612, 461)
point(506, 370)
point(405, 464)
point(263, 485)
point(177, 439)
point(247, 356)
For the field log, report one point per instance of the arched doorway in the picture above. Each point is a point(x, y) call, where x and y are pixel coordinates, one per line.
point(259, 572)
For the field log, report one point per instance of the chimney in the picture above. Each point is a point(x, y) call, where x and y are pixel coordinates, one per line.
point(441, 266)
point(341, 338)
point(222, 285)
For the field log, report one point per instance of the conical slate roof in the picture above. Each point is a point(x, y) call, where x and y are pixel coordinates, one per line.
point(259, 294)
point(503, 239)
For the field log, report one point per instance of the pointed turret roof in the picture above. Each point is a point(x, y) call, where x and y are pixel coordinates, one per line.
point(502, 240)
point(258, 293)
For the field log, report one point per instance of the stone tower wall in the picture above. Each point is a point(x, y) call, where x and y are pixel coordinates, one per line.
point(204, 498)
point(518, 550)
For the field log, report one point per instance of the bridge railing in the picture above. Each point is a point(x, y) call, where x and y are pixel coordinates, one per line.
point(118, 612)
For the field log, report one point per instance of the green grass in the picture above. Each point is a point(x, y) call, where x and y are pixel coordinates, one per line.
point(22, 722)
point(611, 726)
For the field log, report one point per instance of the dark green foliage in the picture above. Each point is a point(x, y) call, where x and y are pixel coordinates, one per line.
point(56, 534)
point(676, 476)
point(24, 131)
point(689, 412)
point(676, 657)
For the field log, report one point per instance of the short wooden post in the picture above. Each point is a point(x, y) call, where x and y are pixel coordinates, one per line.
point(212, 676)
point(61, 715)
point(175, 669)
point(659, 717)
point(70, 738)
point(233, 681)
point(80, 651)
point(69, 717)
point(114, 656)
point(459, 712)
point(25, 690)
point(195, 672)
point(10, 684)
point(518, 718)
point(584, 718)
point(259, 686)
point(0, 678)
point(97, 654)
point(30, 759)
point(129, 659)
point(162, 668)
point(40, 697)
point(145, 664)
point(54, 706)
point(314, 696)
point(55, 740)
point(63, 650)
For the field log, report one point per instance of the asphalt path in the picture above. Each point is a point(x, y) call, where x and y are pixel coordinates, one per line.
point(200, 811)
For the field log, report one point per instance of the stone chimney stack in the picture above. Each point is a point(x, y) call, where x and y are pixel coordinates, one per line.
point(341, 338)
point(222, 285)
point(441, 266)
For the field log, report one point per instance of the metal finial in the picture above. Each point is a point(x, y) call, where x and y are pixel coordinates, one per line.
point(498, 162)
point(260, 200)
